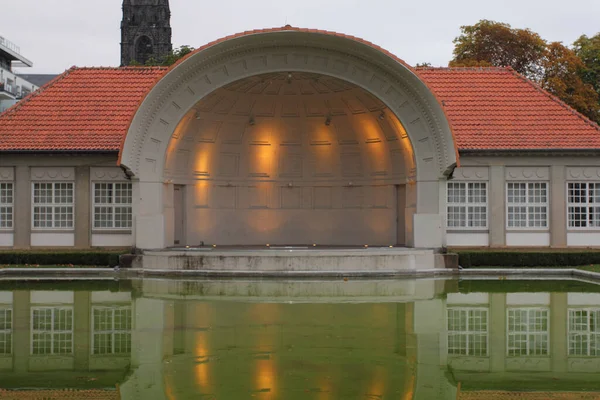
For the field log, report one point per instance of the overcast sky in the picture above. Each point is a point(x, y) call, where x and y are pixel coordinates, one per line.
point(57, 34)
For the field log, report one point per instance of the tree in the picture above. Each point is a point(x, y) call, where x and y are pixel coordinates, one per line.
point(562, 77)
point(170, 58)
point(490, 43)
point(588, 50)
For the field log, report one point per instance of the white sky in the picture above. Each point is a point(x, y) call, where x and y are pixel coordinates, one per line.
point(57, 34)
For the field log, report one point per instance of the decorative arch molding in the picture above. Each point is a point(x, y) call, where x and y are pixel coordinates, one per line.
point(203, 72)
point(143, 153)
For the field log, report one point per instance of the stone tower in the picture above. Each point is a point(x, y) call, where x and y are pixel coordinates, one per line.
point(145, 31)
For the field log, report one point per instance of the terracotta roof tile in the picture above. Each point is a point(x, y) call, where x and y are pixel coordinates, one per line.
point(498, 109)
point(84, 109)
point(90, 109)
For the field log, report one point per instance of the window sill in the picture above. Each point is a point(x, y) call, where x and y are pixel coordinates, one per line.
point(53, 230)
point(112, 232)
point(467, 230)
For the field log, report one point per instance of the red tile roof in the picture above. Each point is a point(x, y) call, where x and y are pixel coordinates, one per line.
point(498, 109)
point(90, 109)
point(84, 109)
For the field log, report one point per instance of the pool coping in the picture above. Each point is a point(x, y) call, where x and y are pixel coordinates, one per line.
point(117, 273)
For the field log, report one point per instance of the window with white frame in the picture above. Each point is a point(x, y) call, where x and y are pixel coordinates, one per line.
point(111, 330)
point(527, 205)
point(53, 204)
point(5, 331)
point(583, 204)
point(6, 205)
point(528, 332)
point(584, 332)
point(467, 205)
point(467, 331)
point(112, 205)
point(52, 330)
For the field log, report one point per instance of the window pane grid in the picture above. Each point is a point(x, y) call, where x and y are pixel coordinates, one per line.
point(467, 205)
point(467, 331)
point(583, 205)
point(5, 331)
point(528, 331)
point(527, 205)
point(53, 205)
point(584, 332)
point(112, 205)
point(6, 205)
point(52, 331)
point(111, 330)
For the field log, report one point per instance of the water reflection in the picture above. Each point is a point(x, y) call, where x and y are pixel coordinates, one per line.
point(425, 339)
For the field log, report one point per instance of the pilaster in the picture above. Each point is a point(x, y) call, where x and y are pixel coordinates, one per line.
point(82, 207)
point(558, 206)
point(497, 209)
point(22, 207)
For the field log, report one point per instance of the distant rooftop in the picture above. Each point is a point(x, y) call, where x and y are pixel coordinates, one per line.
point(38, 80)
point(13, 52)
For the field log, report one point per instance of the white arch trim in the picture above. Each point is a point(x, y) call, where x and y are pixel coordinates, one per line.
point(226, 61)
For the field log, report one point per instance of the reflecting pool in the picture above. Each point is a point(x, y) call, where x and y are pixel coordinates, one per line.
point(272, 339)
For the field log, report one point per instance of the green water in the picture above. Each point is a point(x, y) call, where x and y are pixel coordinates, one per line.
point(333, 339)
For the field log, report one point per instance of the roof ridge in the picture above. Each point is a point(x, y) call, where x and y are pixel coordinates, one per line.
point(556, 100)
point(19, 104)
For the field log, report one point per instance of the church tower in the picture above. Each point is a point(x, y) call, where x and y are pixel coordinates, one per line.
point(145, 31)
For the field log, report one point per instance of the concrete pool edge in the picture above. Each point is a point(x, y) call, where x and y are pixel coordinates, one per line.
point(116, 273)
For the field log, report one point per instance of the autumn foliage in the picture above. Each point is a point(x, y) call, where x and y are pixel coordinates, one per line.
point(573, 75)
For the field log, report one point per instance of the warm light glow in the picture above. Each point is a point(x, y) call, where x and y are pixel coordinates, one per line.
point(266, 378)
point(201, 369)
point(366, 245)
point(214, 245)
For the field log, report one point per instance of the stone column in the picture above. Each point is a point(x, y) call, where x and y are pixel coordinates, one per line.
point(83, 224)
point(497, 332)
point(82, 328)
point(497, 209)
point(149, 215)
point(22, 330)
point(558, 206)
point(428, 228)
point(22, 207)
point(559, 346)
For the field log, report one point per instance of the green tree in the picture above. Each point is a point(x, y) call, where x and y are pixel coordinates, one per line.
point(562, 77)
point(490, 43)
point(170, 59)
point(588, 50)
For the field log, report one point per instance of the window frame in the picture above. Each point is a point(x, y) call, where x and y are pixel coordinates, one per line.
point(587, 205)
point(527, 205)
point(467, 204)
point(468, 332)
point(10, 205)
point(52, 331)
point(528, 332)
point(112, 205)
point(53, 205)
point(112, 331)
point(588, 332)
point(8, 331)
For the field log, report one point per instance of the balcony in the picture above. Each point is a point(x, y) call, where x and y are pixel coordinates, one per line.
point(7, 92)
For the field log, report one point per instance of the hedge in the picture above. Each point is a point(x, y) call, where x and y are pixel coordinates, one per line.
point(96, 258)
point(468, 259)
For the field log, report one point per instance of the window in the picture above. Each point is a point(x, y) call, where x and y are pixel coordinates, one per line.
point(52, 331)
point(111, 330)
point(468, 331)
point(527, 332)
point(583, 205)
point(584, 332)
point(6, 205)
point(53, 205)
point(112, 205)
point(527, 205)
point(467, 205)
point(5, 331)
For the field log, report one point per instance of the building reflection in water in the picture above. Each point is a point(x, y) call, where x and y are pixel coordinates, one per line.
point(314, 340)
